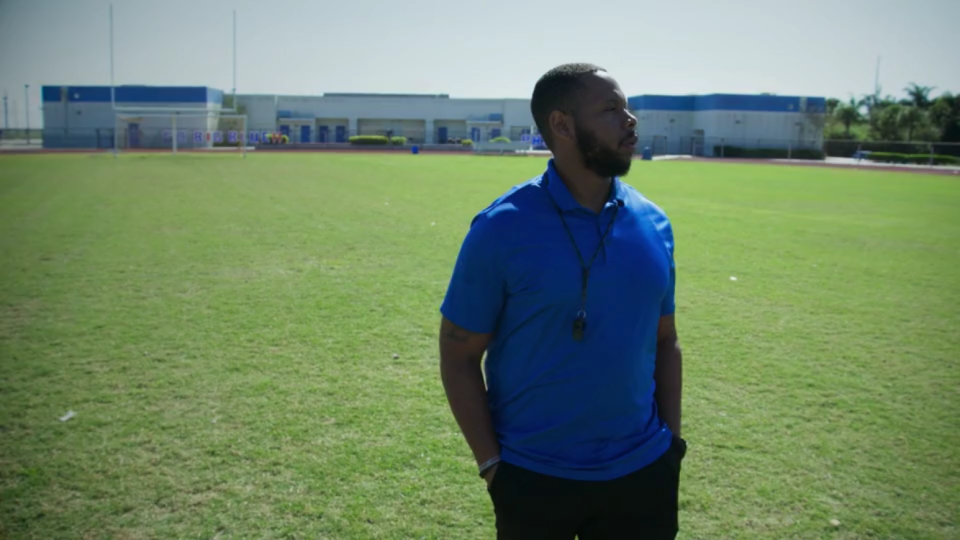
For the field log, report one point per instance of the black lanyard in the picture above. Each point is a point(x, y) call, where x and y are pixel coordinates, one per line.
point(580, 322)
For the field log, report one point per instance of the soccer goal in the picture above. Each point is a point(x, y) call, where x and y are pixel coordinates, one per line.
point(180, 130)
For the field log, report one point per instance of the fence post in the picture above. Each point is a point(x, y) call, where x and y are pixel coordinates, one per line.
point(789, 150)
point(931, 154)
point(721, 147)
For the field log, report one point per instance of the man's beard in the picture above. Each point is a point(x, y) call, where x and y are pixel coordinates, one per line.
point(604, 161)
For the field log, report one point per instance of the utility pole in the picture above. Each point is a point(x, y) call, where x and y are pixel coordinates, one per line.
point(876, 81)
point(26, 108)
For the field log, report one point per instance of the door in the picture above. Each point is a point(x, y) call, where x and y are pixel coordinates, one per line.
point(133, 135)
point(442, 135)
point(285, 130)
point(304, 134)
point(698, 140)
point(323, 134)
point(659, 145)
point(494, 133)
point(475, 134)
point(341, 134)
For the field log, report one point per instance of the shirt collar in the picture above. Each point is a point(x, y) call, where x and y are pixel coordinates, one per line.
point(564, 199)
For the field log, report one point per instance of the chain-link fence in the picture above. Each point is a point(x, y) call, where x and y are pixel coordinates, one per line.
point(847, 148)
point(730, 147)
point(231, 135)
point(21, 135)
point(130, 138)
point(811, 149)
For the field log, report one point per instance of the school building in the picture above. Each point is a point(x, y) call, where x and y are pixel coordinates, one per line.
point(153, 117)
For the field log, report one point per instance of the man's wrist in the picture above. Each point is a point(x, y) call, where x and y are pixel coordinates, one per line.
point(487, 466)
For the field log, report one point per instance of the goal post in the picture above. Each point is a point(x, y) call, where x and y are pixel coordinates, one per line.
point(180, 130)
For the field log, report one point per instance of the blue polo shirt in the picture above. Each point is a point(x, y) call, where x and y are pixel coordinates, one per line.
point(585, 409)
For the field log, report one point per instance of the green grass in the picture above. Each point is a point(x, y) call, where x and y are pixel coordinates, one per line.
point(225, 331)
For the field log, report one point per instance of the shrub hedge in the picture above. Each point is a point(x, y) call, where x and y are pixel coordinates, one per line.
point(920, 159)
point(372, 140)
point(766, 153)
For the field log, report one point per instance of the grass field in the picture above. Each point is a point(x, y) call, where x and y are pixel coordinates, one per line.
point(225, 331)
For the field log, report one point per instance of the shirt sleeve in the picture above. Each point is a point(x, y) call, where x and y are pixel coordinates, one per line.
point(475, 294)
point(668, 304)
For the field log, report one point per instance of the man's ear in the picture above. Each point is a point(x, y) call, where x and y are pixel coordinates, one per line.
point(561, 125)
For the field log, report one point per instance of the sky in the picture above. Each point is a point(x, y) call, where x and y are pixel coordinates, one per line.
point(485, 48)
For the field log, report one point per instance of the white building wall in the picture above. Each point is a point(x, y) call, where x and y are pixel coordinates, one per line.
point(668, 131)
point(261, 111)
point(730, 128)
point(91, 124)
point(421, 114)
point(761, 129)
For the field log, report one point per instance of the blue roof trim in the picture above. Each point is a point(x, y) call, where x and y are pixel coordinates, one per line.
point(215, 96)
point(661, 103)
point(726, 102)
point(134, 94)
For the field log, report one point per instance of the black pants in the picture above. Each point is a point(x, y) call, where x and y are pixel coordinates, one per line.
point(532, 506)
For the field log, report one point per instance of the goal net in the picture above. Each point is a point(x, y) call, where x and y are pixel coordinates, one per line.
point(180, 131)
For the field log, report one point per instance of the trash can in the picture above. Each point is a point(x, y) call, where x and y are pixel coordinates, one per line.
point(647, 153)
point(415, 149)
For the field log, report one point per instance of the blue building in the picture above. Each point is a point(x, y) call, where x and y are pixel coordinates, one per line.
point(83, 117)
point(700, 125)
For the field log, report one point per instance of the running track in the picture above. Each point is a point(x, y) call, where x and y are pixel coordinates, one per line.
point(724, 161)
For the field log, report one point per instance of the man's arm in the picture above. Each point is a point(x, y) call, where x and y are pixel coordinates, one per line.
point(461, 353)
point(669, 373)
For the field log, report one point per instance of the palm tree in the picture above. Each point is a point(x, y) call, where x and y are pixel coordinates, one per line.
point(910, 118)
point(885, 123)
point(919, 95)
point(847, 114)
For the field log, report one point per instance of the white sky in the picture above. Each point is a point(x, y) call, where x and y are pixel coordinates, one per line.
point(483, 48)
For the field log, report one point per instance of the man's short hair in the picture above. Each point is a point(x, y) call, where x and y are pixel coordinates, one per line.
point(558, 90)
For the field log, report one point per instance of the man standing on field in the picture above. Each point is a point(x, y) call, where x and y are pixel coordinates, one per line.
point(567, 283)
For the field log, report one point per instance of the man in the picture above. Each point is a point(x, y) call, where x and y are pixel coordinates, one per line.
point(567, 282)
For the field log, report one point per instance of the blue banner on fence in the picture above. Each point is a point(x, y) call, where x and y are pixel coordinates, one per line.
point(218, 136)
point(232, 136)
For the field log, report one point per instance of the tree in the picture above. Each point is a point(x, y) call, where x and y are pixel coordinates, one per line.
point(919, 95)
point(945, 116)
point(910, 118)
point(832, 104)
point(847, 114)
point(885, 122)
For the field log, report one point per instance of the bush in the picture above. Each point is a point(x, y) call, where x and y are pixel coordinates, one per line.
point(919, 159)
point(398, 141)
point(500, 139)
point(466, 142)
point(767, 153)
point(886, 157)
point(849, 148)
point(946, 160)
point(371, 140)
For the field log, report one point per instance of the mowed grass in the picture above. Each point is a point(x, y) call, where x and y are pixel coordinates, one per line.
point(225, 331)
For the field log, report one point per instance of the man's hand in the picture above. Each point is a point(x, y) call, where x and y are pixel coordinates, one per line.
point(490, 474)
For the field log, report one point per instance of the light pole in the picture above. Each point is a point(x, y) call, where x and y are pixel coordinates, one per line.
point(26, 108)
